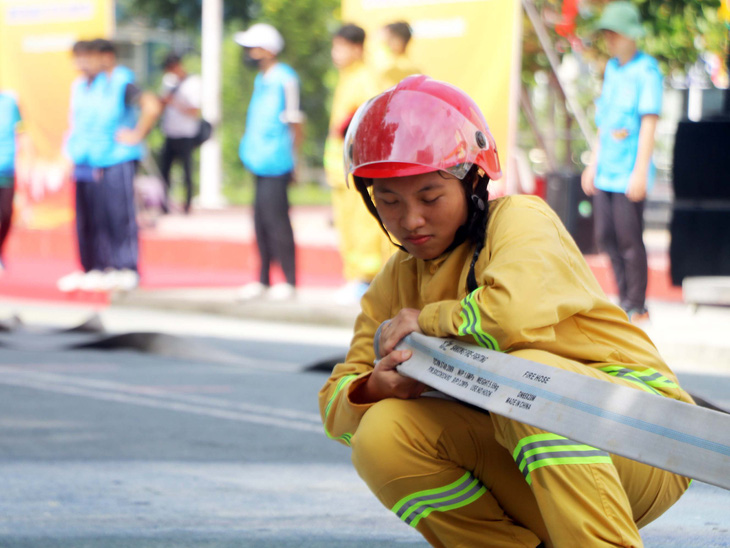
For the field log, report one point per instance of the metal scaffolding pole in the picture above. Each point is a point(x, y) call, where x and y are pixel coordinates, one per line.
point(211, 172)
point(547, 47)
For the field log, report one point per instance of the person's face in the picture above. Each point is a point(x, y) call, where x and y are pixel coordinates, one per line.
point(82, 62)
point(89, 63)
point(257, 58)
point(423, 212)
point(176, 69)
point(395, 44)
point(618, 45)
point(108, 61)
point(345, 53)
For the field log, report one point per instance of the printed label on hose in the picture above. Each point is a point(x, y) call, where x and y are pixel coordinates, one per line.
point(649, 428)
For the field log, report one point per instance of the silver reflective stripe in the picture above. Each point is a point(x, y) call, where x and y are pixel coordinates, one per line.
point(656, 430)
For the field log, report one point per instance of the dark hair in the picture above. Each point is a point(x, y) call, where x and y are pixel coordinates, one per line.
point(401, 29)
point(475, 184)
point(351, 33)
point(81, 46)
point(171, 60)
point(102, 45)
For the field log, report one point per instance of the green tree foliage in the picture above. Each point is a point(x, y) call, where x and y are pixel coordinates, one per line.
point(677, 33)
point(181, 14)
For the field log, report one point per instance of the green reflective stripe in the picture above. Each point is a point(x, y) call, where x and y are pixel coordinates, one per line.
point(414, 507)
point(347, 436)
point(650, 379)
point(595, 459)
point(475, 491)
point(656, 379)
point(471, 323)
point(534, 439)
point(541, 450)
point(629, 375)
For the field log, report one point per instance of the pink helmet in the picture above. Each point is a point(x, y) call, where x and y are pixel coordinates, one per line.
point(418, 126)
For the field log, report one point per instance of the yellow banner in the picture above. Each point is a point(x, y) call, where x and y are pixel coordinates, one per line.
point(473, 44)
point(36, 37)
point(724, 11)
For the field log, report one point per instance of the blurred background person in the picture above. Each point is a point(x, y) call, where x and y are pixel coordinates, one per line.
point(362, 243)
point(391, 60)
point(93, 252)
point(622, 171)
point(9, 120)
point(268, 149)
point(126, 114)
point(119, 117)
point(181, 97)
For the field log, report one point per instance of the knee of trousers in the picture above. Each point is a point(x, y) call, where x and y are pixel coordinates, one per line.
point(391, 442)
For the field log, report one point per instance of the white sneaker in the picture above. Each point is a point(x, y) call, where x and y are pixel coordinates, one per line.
point(127, 280)
point(281, 292)
point(92, 281)
point(119, 280)
point(251, 291)
point(108, 280)
point(70, 282)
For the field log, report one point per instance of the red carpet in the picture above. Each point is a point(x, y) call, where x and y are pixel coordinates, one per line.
point(36, 259)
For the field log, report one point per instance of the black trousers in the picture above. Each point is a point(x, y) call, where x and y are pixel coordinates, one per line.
point(274, 234)
point(182, 150)
point(6, 213)
point(93, 240)
point(619, 226)
point(119, 220)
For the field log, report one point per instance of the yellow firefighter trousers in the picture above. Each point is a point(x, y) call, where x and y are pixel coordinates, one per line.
point(450, 471)
point(364, 248)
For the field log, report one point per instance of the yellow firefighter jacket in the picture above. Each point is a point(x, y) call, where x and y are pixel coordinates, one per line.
point(535, 291)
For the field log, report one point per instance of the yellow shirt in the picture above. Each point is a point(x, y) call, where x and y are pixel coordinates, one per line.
point(356, 84)
point(535, 291)
point(391, 69)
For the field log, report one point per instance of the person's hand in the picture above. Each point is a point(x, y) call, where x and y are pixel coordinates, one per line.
point(128, 136)
point(636, 191)
point(386, 382)
point(404, 323)
point(587, 180)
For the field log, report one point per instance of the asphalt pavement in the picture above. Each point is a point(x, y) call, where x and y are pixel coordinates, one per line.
point(212, 437)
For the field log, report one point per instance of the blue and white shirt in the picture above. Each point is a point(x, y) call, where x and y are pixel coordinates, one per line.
point(267, 146)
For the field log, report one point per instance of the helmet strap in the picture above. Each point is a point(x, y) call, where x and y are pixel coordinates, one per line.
point(477, 223)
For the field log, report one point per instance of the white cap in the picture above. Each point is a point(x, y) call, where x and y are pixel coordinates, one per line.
point(261, 35)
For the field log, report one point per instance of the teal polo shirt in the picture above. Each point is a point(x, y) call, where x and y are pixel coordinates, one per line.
point(630, 91)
